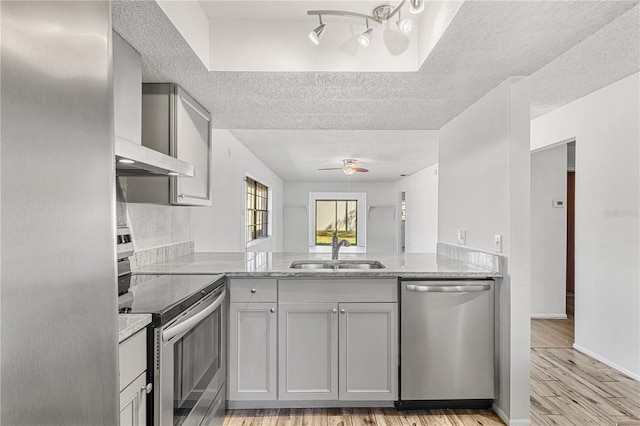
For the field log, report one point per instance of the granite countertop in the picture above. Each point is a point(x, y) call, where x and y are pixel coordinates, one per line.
point(276, 264)
point(130, 324)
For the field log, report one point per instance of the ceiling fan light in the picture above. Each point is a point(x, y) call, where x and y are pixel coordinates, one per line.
point(317, 34)
point(348, 170)
point(365, 38)
point(416, 6)
point(405, 26)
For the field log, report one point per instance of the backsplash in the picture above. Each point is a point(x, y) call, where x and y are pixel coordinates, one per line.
point(159, 254)
point(153, 225)
point(490, 261)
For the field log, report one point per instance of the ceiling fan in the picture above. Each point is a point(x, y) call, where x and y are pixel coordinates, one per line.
point(349, 167)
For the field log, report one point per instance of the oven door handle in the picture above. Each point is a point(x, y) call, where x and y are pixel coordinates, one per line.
point(191, 320)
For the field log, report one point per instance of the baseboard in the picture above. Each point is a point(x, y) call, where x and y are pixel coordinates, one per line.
point(507, 420)
point(603, 360)
point(246, 405)
point(548, 316)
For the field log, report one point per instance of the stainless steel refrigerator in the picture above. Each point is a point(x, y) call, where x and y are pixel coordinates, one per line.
point(58, 321)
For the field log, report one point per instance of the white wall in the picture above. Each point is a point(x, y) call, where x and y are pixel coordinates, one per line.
point(421, 226)
point(381, 225)
point(483, 187)
point(221, 227)
point(190, 20)
point(607, 242)
point(548, 233)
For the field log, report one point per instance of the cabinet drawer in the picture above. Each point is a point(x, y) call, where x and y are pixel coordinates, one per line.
point(132, 357)
point(253, 290)
point(338, 290)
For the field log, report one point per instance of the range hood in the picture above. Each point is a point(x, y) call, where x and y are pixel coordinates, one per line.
point(133, 159)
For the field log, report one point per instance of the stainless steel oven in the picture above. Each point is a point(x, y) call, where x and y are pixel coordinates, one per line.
point(191, 364)
point(187, 350)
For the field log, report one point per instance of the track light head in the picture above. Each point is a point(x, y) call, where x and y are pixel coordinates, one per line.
point(416, 6)
point(317, 34)
point(405, 26)
point(365, 38)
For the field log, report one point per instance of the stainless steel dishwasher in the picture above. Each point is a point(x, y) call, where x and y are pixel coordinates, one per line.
point(446, 343)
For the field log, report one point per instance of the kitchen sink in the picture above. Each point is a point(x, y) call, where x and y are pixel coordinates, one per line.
point(336, 264)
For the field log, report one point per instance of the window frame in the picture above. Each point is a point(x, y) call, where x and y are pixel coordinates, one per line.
point(315, 234)
point(251, 210)
point(361, 221)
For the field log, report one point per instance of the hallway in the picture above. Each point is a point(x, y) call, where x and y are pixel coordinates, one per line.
point(570, 388)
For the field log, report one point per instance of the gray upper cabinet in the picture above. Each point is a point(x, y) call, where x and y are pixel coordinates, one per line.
point(173, 123)
point(127, 89)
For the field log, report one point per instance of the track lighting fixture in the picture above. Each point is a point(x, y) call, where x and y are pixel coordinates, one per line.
point(379, 15)
point(416, 6)
point(317, 33)
point(365, 37)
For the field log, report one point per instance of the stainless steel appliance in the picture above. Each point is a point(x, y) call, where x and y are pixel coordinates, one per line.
point(447, 343)
point(188, 345)
point(59, 323)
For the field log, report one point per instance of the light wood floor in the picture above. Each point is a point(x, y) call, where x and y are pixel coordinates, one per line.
point(567, 388)
point(570, 388)
point(360, 417)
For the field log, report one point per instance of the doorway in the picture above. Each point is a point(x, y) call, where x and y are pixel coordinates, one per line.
point(571, 212)
point(571, 182)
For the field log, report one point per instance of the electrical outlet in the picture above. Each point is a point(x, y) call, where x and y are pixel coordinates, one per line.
point(462, 237)
point(497, 243)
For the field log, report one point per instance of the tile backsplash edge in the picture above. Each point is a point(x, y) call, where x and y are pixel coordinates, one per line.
point(153, 255)
point(490, 261)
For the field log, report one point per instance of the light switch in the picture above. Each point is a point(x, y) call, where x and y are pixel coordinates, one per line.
point(462, 237)
point(497, 243)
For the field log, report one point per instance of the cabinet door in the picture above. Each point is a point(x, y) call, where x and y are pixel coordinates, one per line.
point(252, 351)
point(133, 403)
point(368, 351)
point(308, 351)
point(192, 143)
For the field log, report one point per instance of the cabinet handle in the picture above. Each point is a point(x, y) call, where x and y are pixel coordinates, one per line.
point(342, 311)
point(148, 388)
point(273, 310)
point(253, 290)
point(334, 310)
point(181, 196)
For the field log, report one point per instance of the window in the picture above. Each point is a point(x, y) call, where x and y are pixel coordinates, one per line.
point(257, 210)
point(342, 212)
point(340, 216)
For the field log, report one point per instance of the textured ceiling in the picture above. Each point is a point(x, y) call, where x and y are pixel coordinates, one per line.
point(486, 42)
point(386, 153)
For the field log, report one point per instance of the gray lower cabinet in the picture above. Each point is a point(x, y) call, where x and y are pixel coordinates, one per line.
point(368, 351)
point(133, 403)
point(132, 355)
point(252, 351)
point(308, 351)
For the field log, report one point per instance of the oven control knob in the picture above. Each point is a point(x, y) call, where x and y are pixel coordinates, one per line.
point(148, 388)
point(253, 290)
point(203, 292)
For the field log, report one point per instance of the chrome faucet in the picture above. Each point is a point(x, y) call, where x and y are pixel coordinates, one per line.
point(335, 245)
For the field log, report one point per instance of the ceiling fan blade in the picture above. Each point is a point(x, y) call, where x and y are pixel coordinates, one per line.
point(332, 168)
point(359, 169)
